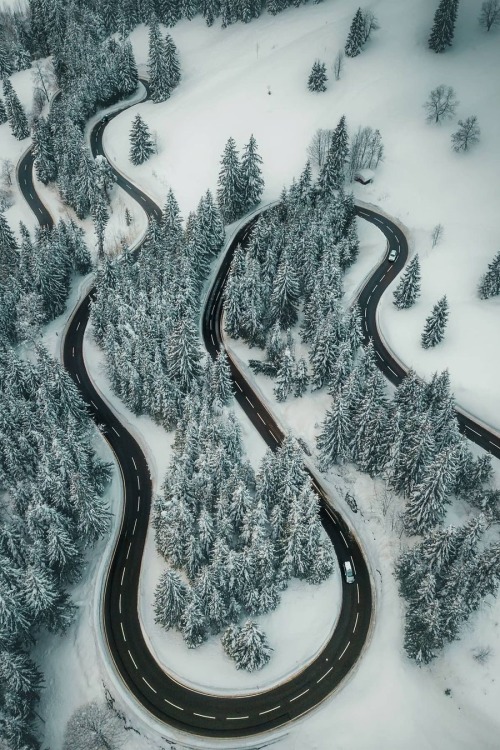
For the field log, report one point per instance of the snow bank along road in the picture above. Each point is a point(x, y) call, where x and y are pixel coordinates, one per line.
point(167, 699)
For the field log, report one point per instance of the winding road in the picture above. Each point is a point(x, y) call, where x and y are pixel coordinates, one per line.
point(173, 703)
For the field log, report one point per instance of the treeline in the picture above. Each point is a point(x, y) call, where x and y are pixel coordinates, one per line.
point(145, 313)
point(35, 276)
point(52, 510)
point(236, 538)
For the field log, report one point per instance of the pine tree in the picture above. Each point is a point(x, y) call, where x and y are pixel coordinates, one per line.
point(300, 378)
point(141, 144)
point(317, 77)
point(490, 283)
point(426, 507)
point(285, 293)
point(435, 324)
point(332, 175)
point(158, 64)
point(170, 600)
point(43, 149)
point(15, 113)
point(172, 64)
point(408, 289)
point(183, 354)
point(248, 646)
point(356, 35)
point(8, 250)
point(443, 28)
point(285, 376)
point(333, 440)
point(252, 183)
point(3, 112)
point(230, 188)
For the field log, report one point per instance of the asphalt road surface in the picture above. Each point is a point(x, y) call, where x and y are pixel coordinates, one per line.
point(171, 702)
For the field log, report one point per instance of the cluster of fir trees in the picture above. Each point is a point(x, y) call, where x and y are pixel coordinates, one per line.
point(124, 15)
point(444, 579)
point(144, 313)
point(443, 28)
point(51, 486)
point(35, 276)
point(15, 48)
point(163, 63)
point(236, 538)
point(293, 264)
point(91, 72)
point(240, 183)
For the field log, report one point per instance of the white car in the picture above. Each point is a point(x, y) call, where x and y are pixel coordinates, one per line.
point(392, 256)
point(348, 572)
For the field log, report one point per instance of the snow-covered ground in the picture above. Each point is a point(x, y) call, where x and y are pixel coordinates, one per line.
point(252, 78)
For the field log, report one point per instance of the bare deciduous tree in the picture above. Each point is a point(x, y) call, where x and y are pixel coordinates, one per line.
point(370, 24)
point(338, 64)
point(441, 104)
point(7, 170)
point(318, 148)
point(366, 150)
point(467, 134)
point(44, 78)
point(437, 234)
point(94, 727)
point(490, 14)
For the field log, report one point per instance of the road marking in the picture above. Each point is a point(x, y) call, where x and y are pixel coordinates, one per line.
point(235, 718)
point(274, 436)
point(260, 418)
point(212, 337)
point(149, 686)
point(123, 632)
point(138, 483)
point(94, 405)
point(203, 716)
point(353, 566)
point(379, 355)
point(365, 314)
point(253, 407)
point(492, 443)
point(322, 678)
point(238, 386)
point(173, 704)
point(32, 196)
point(133, 660)
point(298, 696)
point(355, 624)
point(123, 573)
point(394, 373)
point(345, 541)
point(128, 551)
point(138, 501)
point(343, 652)
point(133, 461)
point(369, 298)
point(357, 586)
point(78, 326)
point(135, 524)
point(120, 604)
point(78, 377)
point(376, 285)
point(73, 351)
point(474, 431)
point(261, 713)
point(116, 431)
point(143, 199)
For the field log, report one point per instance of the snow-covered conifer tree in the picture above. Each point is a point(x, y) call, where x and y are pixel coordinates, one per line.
point(141, 144)
point(158, 65)
point(230, 189)
point(426, 507)
point(356, 35)
point(252, 183)
point(333, 440)
point(408, 289)
point(435, 324)
point(172, 64)
point(3, 112)
point(332, 174)
point(15, 113)
point(248, 646)
point(490, 283)
point(317, 77)
point(45, 165)
point(443, 28)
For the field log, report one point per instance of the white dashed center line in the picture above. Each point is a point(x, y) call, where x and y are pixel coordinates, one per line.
point(203, 716)
point(356, 622)
point(343, 652)
point(326, 673)
point(261, 713)
point(149, 686)
point(133, 660)
point(123, 632)
point(173, 704)
point(299, 696)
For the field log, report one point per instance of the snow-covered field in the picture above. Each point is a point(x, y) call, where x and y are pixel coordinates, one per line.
point(252, 79)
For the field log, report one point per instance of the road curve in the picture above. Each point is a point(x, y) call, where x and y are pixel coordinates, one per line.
point(175, 704)
point(368, 300)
